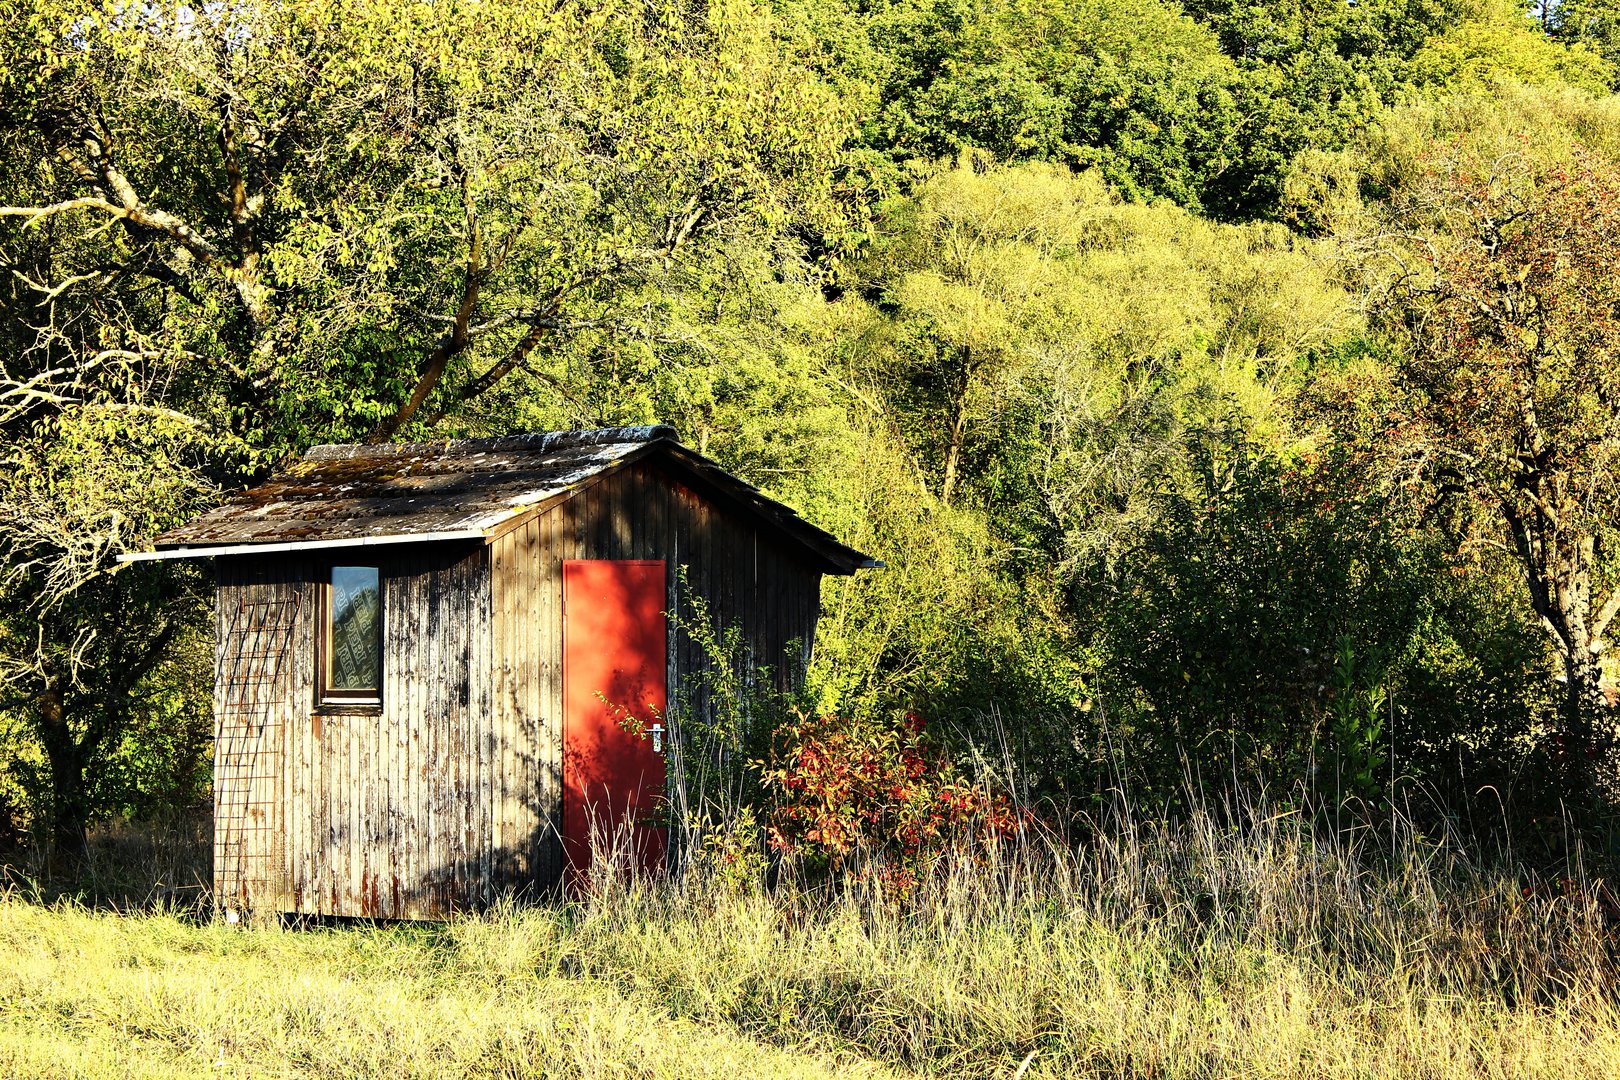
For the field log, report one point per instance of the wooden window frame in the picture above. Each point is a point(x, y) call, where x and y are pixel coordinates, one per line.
point(327, 698)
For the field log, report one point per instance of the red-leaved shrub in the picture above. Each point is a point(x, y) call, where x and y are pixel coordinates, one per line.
point(884, 793)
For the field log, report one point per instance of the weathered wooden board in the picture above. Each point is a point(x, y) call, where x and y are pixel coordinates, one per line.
point(376, 811)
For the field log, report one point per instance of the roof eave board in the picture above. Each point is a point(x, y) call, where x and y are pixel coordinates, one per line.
point(271, 547)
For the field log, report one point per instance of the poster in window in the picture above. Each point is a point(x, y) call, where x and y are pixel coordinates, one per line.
point(356, 629)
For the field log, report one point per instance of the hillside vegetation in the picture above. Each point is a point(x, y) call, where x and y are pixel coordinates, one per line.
point(1230, 389)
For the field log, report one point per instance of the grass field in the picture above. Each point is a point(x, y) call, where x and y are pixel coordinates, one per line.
point(1197, 952)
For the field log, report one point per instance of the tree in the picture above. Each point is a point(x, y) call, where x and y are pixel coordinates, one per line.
point(1311, 74)
point(1498, 44)
point(1051, 355)
point(1510, 311)
point(380, 214)
point(1264, 623)
point(1593, 23)
point(1133, 89)
point(1050, 348)
point(84, 650)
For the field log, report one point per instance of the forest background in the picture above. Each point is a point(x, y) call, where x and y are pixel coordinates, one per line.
point(1229, 388)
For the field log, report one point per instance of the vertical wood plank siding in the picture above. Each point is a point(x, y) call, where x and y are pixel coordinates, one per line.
point(260, 664)
point(379, 812)
point(449, 795)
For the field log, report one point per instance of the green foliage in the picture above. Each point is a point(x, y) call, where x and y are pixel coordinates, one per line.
point(1044, 365)
point(1206, 103)
point(1293, 625)
point(1137, 91)
point(1238, 622)
point(1494, 42)
point(1356, 725)
point(1052, 326)
point(1592, 23)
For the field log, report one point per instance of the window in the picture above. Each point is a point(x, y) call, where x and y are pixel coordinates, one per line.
point(351, 666)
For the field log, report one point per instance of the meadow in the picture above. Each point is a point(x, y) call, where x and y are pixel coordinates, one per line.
point(1237, 945)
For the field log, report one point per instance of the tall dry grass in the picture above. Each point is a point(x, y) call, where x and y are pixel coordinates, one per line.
point(126, 866)
point(1245, 942)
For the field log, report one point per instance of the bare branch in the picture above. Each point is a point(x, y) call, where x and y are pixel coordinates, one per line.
point(1605, 615)
point(160, 221)
point(39, 213)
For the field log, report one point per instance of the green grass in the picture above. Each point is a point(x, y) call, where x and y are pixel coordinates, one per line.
point(1257, 951)
point(102, 995)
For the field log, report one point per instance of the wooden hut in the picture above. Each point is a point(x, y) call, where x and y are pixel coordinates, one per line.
point(426, 654)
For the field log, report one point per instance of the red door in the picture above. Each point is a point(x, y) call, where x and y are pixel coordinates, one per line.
point(613, 695)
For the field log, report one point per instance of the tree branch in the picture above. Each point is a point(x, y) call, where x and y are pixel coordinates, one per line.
point(459, 335)
point(1605, 615)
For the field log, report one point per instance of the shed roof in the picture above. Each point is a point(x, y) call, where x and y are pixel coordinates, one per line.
point(470, 489)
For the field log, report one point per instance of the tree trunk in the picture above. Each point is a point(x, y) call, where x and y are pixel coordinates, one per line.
point(1584, 751)
point(69, 807)
point(953, 456)
point(953, 453)
point(1559, 560)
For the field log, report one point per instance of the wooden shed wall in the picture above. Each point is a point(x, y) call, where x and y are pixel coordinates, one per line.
point(381, 812)
point(750, 581)
point(451, 793)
